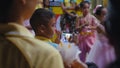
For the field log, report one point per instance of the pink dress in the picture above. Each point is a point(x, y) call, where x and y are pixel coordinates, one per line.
point(102, 53)
point(87, 35)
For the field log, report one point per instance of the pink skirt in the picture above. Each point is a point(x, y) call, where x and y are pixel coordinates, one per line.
point(85, 44)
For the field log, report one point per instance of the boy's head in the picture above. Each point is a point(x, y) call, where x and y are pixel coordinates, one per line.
point(43, 22)
point(16, 10)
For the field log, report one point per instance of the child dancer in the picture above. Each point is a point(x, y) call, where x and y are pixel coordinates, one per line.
point(87, 25)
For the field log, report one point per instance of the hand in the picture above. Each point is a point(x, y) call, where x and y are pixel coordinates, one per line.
point(75, 39)
point(78, 30)
point(86, 24)
point(65, 65)
point(76, 64)
point(57, 40)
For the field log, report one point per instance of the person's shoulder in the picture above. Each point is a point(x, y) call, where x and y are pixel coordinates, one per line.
point(32, 44)
point(44, 47)
point(47, 56)
point(92, 16)
point(36, 51)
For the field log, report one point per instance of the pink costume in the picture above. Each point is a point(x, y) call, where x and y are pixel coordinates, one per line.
point(102, 53)
point(87, 34)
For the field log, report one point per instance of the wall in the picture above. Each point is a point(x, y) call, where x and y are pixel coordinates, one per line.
point(105, 3)
point(58, 10)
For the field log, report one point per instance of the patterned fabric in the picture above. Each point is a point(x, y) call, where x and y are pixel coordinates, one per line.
point(87, 35)
point(102, 53)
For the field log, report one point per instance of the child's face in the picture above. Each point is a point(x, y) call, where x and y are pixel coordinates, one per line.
point(51, 28)
point(46, 3)
point(86, 8)
point(103, 13)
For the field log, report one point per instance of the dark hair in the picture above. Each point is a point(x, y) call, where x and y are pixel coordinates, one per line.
point(91, 65)
point(83, 3)
point(5, 6)
point(45, 5)
point(41, 16)
point(99, 10)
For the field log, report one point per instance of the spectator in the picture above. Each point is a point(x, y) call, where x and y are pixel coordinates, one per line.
point(102, 48)
point(112, 26)
point(18, 47)
point(43, 23)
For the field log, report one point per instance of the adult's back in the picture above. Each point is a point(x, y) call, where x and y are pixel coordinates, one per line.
point(18, 47)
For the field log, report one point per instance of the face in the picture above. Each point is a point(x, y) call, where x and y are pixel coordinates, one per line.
point(46, 3)
point(50, 29)
point(86, 9)
point(103, 13)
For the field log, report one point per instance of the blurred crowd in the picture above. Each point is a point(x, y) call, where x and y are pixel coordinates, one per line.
point(31, 37)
